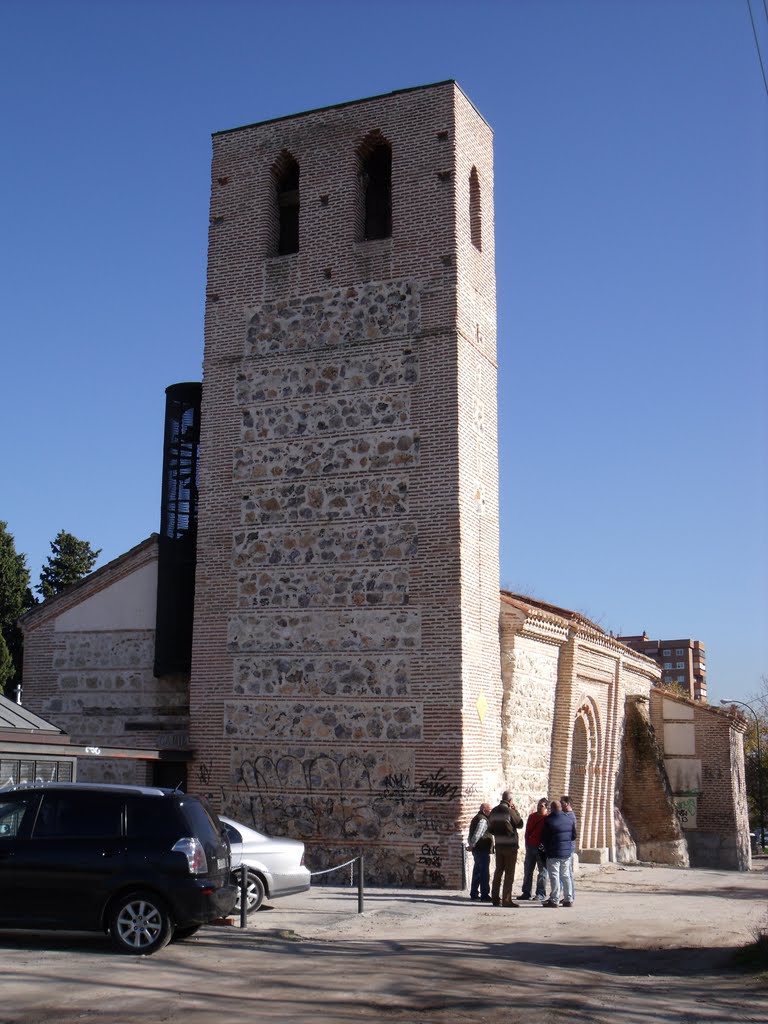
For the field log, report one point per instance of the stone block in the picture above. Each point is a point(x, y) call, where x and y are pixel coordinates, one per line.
point(351, 587)
point(679, 738)
point(367, 497)
point(323, 631)
point(341, 415)
point(356, 371)
point(110, 650)
point(323, 457)
point(308, 545)
point(322, 723)
point(685, 774)
point(596, 855)
point(338, 317)
point(323, 676)
point(672, 709)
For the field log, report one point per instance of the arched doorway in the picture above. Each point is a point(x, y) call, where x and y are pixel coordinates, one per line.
point(582, 777)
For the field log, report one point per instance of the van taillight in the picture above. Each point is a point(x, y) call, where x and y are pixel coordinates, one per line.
point(195, 854)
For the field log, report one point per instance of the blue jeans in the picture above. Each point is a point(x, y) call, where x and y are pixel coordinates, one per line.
point(558, 869)
point(534, 860)
point(481, 873)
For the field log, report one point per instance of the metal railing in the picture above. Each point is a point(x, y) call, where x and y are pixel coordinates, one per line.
point(359, 860)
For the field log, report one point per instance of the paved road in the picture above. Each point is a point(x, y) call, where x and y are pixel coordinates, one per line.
point(642, 946)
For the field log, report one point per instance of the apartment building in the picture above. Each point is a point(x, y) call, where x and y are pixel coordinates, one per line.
point(682, 662)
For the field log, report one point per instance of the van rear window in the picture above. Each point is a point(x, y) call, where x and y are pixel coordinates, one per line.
point(172, 817)
point(205, 828)
point(150, 816)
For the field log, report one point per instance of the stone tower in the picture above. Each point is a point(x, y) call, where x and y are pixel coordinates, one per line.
point(346, 675)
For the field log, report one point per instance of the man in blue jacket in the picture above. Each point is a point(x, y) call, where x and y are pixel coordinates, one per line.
point(558, 837)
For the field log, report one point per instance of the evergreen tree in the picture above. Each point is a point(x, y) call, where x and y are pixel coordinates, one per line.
point(70, 560)
point(7, 668)
point(15, 599)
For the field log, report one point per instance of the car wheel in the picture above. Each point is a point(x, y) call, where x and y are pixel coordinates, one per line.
point(139, 923)
point(254, 893)
point(184, 933)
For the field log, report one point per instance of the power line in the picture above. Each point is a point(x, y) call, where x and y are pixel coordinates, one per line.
point(757, 41)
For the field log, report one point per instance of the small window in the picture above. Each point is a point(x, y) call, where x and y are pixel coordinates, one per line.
point(679, 650)
point(475, 211)
point(376, 181)
point(667, 652)
point(679, 664)
point(681, 679)
point(287, 175)
point(667, 664)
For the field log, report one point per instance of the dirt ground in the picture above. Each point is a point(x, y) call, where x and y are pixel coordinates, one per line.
point(642, 945)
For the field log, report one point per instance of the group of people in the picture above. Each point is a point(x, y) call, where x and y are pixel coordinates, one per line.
point(550, 843)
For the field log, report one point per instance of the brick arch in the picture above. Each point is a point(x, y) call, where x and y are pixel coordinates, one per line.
point(583, 772)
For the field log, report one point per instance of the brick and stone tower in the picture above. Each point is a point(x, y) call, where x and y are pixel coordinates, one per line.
point(345, 679)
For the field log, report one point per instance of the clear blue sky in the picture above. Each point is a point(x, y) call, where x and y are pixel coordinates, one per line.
point(631, 169)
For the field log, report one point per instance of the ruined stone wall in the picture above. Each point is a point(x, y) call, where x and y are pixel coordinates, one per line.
point(704, 757)
point(646, 801)
point(346, 614)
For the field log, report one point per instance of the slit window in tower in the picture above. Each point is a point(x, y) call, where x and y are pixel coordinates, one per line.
point(475, 211)
point(287, 182)
point(376, 174)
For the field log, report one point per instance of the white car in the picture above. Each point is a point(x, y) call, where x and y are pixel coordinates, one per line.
point(275, 866)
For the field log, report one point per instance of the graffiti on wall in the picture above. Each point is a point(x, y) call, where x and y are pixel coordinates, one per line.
point(343, 797)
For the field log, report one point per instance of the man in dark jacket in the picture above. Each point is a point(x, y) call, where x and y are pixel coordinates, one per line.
point(480, 842)
point(503, 823)
point(558, 837)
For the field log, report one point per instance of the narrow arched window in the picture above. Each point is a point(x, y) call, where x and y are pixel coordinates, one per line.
point(376, 180)
point(286, 174)
point(475, 210)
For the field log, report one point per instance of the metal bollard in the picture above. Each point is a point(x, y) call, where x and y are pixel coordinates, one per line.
point(360, 884)
point(243, 896)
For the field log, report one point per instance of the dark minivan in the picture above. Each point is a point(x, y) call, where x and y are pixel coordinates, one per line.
point(144, 864)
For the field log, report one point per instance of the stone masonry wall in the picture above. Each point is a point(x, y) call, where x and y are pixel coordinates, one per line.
point(347, 579)
point(529, 673)
point(98, 685)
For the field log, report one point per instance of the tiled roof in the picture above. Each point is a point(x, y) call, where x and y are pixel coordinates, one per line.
point(525, 603)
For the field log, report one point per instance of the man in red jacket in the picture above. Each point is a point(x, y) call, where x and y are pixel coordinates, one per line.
point(534, 857)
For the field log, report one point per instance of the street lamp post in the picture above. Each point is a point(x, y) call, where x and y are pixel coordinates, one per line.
point(752, 711)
